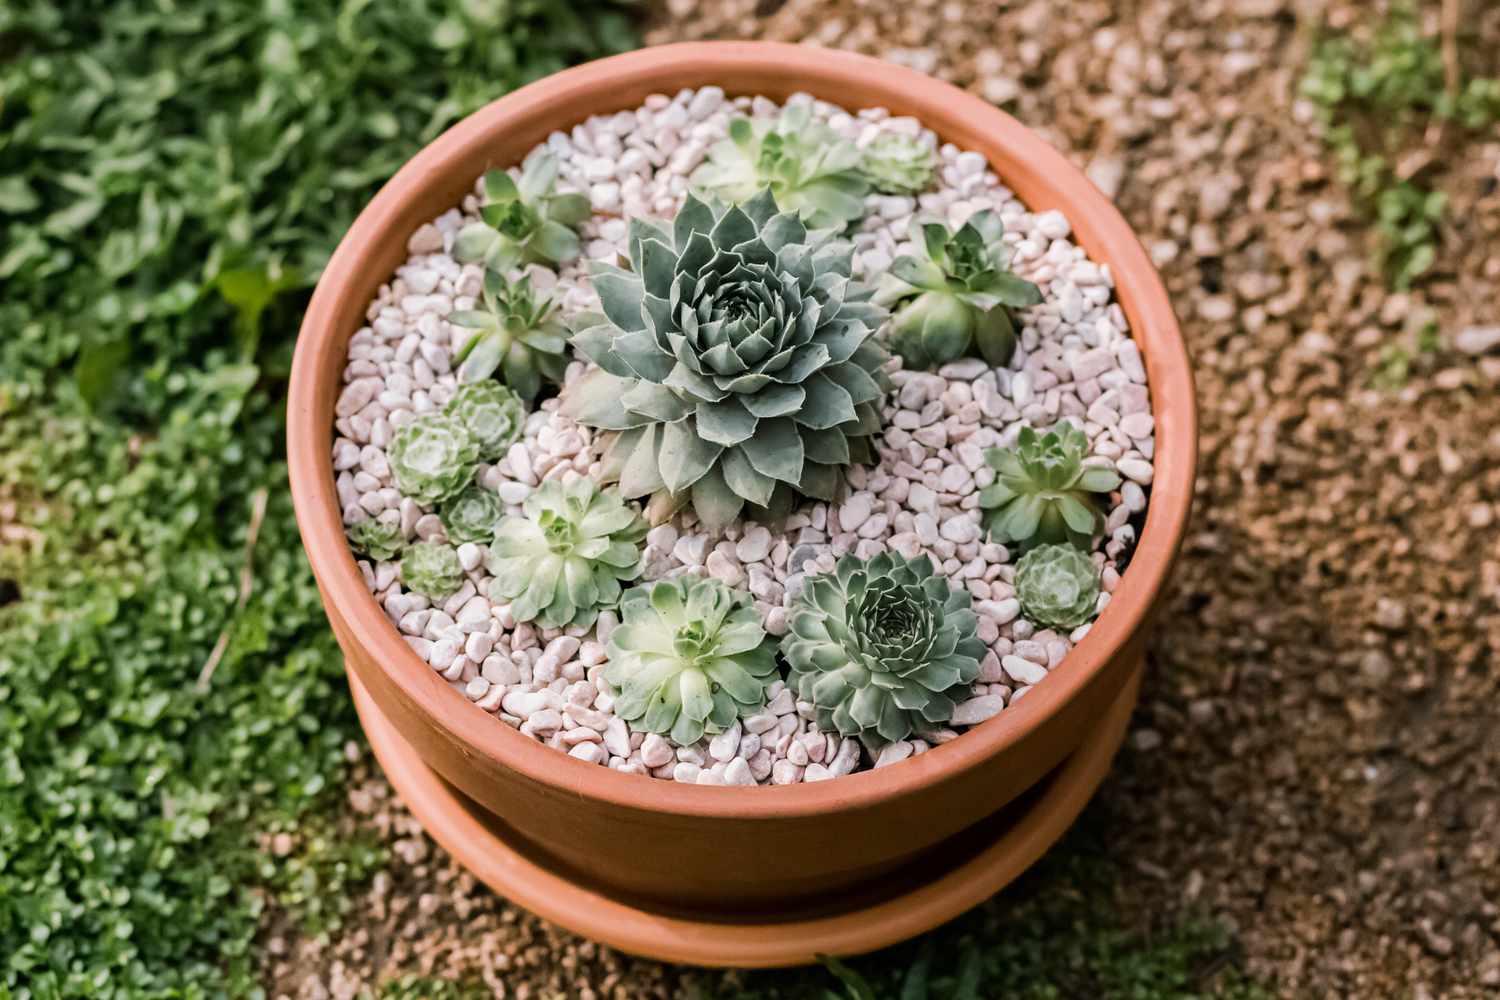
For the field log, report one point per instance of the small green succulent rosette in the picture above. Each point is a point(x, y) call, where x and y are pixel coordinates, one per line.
point(809, 168)
point(737, 363)
point(565, 560)
point(956, 297)
point(519, 337)
point(376, 539)
point(1058, 586)
point(899, 164)
point(473, 515)
point(525, 221)
point(1043, 493)
point(882, 647)
point(688, 658)
point(491, 413)
point(432, 457)
point(431, 568)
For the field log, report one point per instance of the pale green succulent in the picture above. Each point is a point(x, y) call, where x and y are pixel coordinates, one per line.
point(432, 457)
point(473, 514)
point(882, 647)
point(491, 413)
point(957, 297)
point(899, 164)
point(565, 560)
point(525, 221)
point(688, 657)
point(1058, 586)
point(431, 568)
point(1042, 490)
point(518, 336)
point(738, 365)
point(376, 539)
point(808, 167)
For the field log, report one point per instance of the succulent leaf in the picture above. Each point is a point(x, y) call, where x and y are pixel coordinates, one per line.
point(899, 164)
point(882, 647)
point(1043, 493)
point(518, 336)
point(473, 514)
point(564, 561)
point(688, 658)
point(432, 457)
point(1058, 586)
point(754, 368)
point(379, 540)
point(524, 223)
point(491, 413)
point(956, 299)
point(809, 168)
point(431, 568)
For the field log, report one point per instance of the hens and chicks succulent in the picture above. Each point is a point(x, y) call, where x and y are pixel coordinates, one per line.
point(738, 370)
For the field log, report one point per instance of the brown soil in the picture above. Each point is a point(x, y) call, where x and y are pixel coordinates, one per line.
point(1316, 761)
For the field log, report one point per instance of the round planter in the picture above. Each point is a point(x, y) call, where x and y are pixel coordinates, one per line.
point(743, 850)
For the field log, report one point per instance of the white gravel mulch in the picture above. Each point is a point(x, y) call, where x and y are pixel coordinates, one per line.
point(1075, 361)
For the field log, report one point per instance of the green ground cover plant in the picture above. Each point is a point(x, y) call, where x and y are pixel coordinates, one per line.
point(172, 178)
point(1382, 96)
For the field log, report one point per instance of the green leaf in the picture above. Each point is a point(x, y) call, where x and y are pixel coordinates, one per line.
point(685, 456)
point(776, 450)
point(99, 368)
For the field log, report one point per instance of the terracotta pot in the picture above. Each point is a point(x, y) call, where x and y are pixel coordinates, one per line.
point(691, 846)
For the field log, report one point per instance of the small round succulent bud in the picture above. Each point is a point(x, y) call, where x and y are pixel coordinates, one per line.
point(432, 457)
point(431, 568)
point(1058, 586)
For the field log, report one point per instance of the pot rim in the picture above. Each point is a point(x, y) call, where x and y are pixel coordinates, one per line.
point(1041, 177)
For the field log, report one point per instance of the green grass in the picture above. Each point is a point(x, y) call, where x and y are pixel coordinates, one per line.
point(1380, 92)
point(172, 177)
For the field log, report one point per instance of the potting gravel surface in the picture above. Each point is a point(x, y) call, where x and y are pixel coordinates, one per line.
point(1313, 766)
point(1075, 361)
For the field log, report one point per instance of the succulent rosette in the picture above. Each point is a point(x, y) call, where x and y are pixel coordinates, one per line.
point(1058, 586)
point(899, 164)
point(737, 363)
point(809, 168)
point(518, 336)
point(432, 457)
point(956, 296)
point(526, 221)
point(1042, 490)
point(882, 647)
point(431, 568)
point(688, 658)
point(380, 540)
point(472, 515)
point(491, 413)
point(565, 560)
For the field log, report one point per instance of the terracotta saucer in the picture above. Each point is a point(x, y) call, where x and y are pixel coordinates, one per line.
point(957, 875)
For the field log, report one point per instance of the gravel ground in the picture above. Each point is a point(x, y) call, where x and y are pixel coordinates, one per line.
point(1315, 763)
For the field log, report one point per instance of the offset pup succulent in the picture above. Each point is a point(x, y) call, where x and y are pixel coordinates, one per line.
point(1042, 490)
point(737, 360)
point(525, 221)
point(431, 568)
point(808, 167)
point(1058, 586)
point(491, 413)
point(376, 539)
point(565, 560)
point(957, 297)
point(882, 647)
point(688, 658)
point(473, 514)
point(899, 164)
point(432, 457)
point(518, 336)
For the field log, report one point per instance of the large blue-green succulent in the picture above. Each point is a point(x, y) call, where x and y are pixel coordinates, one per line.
point(737, 362)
